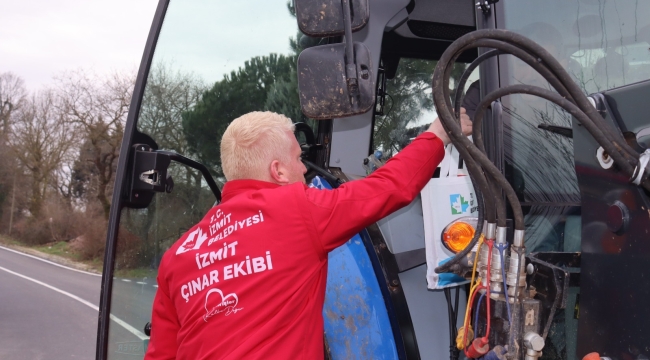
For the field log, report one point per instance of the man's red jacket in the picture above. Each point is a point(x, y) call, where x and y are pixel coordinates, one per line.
point(248, 281)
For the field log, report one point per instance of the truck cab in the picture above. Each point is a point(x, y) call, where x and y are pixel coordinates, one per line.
point(207, 62)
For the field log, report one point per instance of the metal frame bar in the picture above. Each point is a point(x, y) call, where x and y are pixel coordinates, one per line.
point(121, 182)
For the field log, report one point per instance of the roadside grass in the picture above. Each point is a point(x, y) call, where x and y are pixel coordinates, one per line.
point(6, 240)
point(136, 273)
point(60, 249)
point(64, 250)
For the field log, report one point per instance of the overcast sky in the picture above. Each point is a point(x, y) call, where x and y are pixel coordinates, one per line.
point(211, 38)
point(42, 38)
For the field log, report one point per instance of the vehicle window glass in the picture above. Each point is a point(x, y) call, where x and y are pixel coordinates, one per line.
point(214, 61)
point(602, 44)
point(408, 107)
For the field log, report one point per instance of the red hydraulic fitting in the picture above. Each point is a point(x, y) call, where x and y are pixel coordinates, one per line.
point(478, 348)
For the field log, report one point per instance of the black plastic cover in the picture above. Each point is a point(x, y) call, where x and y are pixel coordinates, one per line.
point(615, 283)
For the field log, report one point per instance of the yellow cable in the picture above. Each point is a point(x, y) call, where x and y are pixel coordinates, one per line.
point(461, 340)
point(471, 283)
point(461, 344)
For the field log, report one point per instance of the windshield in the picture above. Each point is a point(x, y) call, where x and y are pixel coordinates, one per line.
point(602, 44)
point(405, 105)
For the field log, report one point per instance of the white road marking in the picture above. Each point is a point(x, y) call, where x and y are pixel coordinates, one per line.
point(155, 286)
point(120, 322)
point(141, 283)
point(126, 280)
point(49, 262)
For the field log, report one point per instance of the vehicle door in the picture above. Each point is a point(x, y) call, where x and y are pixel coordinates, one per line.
point(205, 63)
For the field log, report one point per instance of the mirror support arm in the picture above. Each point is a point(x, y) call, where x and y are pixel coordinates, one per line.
point(350, 61)
point(195, 165)
point(332, 179)
point(148, 168)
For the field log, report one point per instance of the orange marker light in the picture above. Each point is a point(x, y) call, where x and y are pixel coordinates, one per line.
point(458, 234)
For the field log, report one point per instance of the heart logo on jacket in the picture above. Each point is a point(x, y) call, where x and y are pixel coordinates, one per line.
point(216, 302)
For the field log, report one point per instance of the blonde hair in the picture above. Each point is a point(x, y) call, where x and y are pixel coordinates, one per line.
point(252, 141)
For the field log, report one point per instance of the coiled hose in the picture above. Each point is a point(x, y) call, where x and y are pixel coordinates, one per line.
point(568, 96)
point(486, 178)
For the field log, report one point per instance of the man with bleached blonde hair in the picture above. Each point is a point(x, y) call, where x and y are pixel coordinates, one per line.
point(256, 146)
point(248, 281)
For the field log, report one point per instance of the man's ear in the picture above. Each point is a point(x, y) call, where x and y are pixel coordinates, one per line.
point(278, 173)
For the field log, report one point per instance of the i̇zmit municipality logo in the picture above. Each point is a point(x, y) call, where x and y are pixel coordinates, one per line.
point(459, 204)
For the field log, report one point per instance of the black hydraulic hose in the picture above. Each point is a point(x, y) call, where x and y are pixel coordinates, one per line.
point(459, 96)
point(554, 98)
point(570, 97)
point(495, 208)
point(476, 39)
point(452, 264)
point(456, 350)
point(527, 58)
point(557, 81)
point(460, 89)
point(485, 200)
point(545, 57)
point(444, 67)
point(483, 187)
point(453, 315)
point(500, 205)
point(531, 60)
point(450, 314)
point(558, 70)
point(331, 179)
point(505, 48)
point(461, 142)
point(456, 311)
point(494, 173)
point(489, 199)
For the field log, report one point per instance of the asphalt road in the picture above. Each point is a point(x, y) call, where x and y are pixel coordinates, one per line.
point(50, 312)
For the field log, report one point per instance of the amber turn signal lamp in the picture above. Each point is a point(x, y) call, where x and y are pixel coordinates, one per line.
point(458, 234)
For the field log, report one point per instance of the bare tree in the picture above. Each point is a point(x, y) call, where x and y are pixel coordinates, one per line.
point(40, 142)
point(170, 94)
point(12, 96)
point(167, 96)
point(97, 109)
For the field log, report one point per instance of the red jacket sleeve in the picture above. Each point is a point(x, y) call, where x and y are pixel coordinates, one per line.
point(341, 213)
point(164, 325)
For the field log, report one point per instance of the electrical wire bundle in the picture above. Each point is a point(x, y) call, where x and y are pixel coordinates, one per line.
point(490, 184)
point(466, 331)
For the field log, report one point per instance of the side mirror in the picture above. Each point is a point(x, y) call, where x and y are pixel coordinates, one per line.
point(322, 18)
point(325, 88)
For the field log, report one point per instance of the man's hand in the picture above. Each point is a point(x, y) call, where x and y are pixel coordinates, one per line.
point(465, 123)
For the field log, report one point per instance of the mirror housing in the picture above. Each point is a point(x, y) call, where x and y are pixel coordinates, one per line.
point(322, 18)
point(323, 84)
